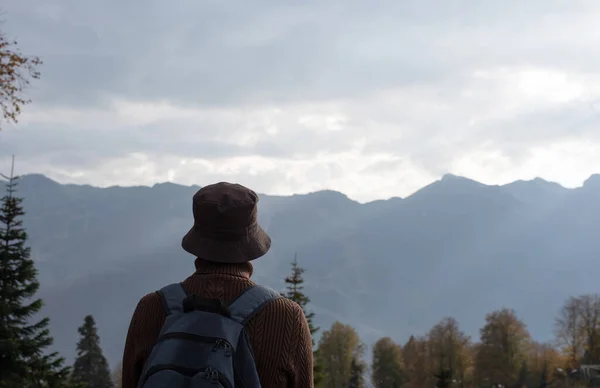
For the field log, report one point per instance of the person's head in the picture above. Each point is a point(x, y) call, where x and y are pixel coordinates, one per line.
point(225, 227)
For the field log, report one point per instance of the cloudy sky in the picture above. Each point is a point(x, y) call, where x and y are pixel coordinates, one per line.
point(371, 98)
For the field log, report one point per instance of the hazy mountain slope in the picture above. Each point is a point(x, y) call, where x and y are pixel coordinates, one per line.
point(456, 247)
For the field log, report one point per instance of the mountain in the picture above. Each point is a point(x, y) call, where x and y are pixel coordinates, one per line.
point(454, 248)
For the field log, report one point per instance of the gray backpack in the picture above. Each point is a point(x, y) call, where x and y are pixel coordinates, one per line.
point(203, 342)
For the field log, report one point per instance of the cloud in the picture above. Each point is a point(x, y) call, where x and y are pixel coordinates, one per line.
point(373, 99)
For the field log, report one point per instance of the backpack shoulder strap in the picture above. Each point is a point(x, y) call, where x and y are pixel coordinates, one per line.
point(172, 297)
point(251, 301)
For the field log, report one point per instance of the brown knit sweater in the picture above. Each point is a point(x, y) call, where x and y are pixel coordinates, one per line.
point(279, 333)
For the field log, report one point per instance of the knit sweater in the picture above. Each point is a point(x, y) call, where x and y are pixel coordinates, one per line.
point(278, 333)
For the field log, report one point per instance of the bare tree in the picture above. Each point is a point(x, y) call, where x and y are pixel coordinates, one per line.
point(590, 321)
point(568, 330)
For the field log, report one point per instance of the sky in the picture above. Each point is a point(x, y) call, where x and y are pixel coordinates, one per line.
point(371, 98)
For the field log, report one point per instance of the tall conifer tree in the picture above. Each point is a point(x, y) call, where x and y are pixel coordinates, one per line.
point(295, 292)
point(91, 368)
point(24, 359)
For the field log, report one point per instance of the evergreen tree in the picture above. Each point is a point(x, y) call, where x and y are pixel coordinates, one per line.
point(24, 360)
point(295, 292)
point(91, 368)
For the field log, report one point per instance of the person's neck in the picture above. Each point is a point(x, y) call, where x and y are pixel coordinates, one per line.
point(240, 269)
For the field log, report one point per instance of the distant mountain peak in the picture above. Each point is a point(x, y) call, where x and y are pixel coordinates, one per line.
point(459, 180)
point(171, 185)
point(592, 181)
point(448, 184)
point(537, 180)
point(449, 177)
point(325, 194)
point(38, 178)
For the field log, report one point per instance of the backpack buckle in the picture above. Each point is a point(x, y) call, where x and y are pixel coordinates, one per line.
point(217, 345)
point(227, 349)
point(222, 344)
point(212, 375)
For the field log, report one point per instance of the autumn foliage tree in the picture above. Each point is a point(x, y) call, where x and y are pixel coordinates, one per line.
point(542, 361)
point(416, 362)
point(340, 353)
point(16, 72)
point(357, 373)
point(448, 350)
point(505, 355)
point(504, 344)
point(387, 368)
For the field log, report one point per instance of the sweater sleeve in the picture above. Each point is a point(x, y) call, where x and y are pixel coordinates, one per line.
point(302, 357)
point(144, 329)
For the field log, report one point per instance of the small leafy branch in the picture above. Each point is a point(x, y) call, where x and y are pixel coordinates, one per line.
point(16, 72)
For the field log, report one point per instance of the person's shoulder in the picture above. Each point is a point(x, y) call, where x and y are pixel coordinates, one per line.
point(149, 301)
point(285, 308)
point(153, 297)
point(150, 297)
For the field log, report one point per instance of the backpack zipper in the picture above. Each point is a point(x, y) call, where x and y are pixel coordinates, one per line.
point(210, 374)
point(188, 372)
point(219, 342)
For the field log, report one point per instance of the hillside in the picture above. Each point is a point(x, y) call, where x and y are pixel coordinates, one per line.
point(456, 247)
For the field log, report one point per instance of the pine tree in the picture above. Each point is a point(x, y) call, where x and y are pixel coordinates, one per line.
point(295, 287)
point(91, 368)
point(24, 360)
point(295, 292)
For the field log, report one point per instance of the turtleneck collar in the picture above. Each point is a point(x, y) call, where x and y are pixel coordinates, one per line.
point(243, 270)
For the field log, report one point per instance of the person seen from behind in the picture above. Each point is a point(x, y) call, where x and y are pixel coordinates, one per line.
point(218, 328)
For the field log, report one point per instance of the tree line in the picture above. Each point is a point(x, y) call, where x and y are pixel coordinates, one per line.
point(505, 355)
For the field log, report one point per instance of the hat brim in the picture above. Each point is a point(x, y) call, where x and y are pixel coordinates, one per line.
point(256, 244)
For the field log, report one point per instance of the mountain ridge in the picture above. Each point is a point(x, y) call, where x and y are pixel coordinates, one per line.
point(388, 267)
point(448, 177)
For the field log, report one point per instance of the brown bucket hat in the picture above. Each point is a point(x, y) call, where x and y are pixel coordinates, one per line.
point(226, 226)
